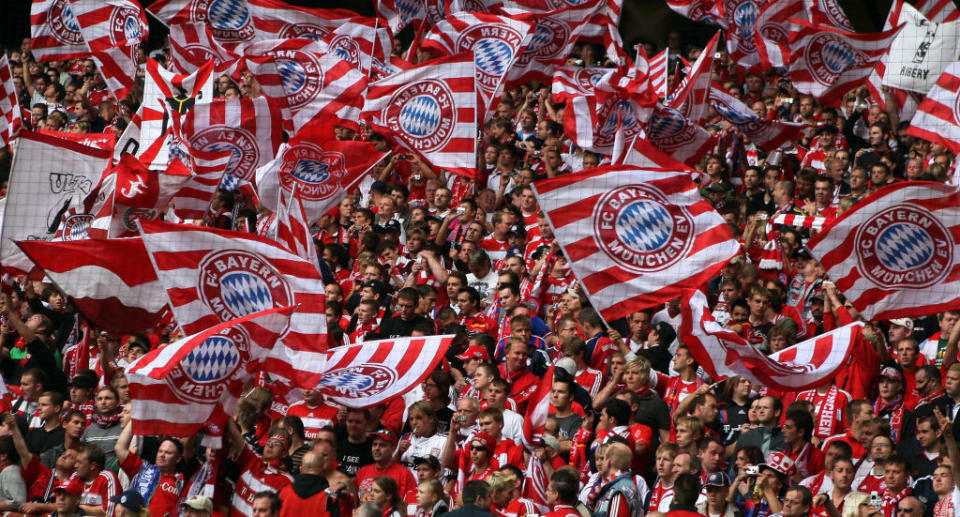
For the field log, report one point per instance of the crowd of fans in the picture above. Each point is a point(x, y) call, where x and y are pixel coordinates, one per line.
point(635, 426)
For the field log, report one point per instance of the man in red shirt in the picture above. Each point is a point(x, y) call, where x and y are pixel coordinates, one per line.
point(257, 473)
point(676, 388)
point(384, 443)
point(514, 370)
point(314, 412)
point(471, 317)
point(99, 485)
point(562, 494)
point(159, 484)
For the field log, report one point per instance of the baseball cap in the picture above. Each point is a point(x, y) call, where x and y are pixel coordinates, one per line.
point(779, 463)
point(83, 382)
point(377, 286)
point(199, 502)
point(131, 500)
point(475, 352)
point(906, 323)
point(718, 478)
point(892, 374)
point(567, 364)
point(550, 440)
point(72, 486)
point(136, 342)
point(430, 460)
point(385, 435)
point(485, 440)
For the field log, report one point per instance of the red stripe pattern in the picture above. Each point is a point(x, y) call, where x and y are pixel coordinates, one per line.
point(10, 120)
point(54, 32)
point(113, 29)
point(937, 118)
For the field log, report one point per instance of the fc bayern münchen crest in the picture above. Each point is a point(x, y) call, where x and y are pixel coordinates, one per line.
point(63, 24)
point(549, 38)
point(827, 55)
point(234, 283)
point(904, 247)
point(364, 380)
point(229, 20)
point(347, 49)
point(745, 17)
point(424, 113)
point(199, 377)
point(774, 32)
point(492, 47)
point(133, 214)
point(300, 74)
point(587, 79)
point(639, 229)
point(315, 172)
point(75, 227)
point(621, 120)
point(669, 130)
point(304, 30)
point(245, 155)
point(125, 25)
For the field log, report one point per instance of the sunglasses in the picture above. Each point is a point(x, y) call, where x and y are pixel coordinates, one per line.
point(477, 448)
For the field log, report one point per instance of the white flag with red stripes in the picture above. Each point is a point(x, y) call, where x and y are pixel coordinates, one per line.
point(938, 11)
point(293, 228)
point(179, 389)
point(355, 41)
point(768, 134)
point(723, 353)
point(696, 10)
point(192, 46)
point(54, 32)
point(538, 408)
point(309, 83)
point(920, 52)
point(673, 134)
point(693, 93)
point(772, 31)
point(373, 372)
point(126, 296)
point(828, 12)
point(248, 128)
point(113, 29)
point(399, 13)
point(206, 168)
point(576, 87)
point(827, 62)
point(430, 109)
point(938, 116)
point(633, 237)
point(644, 155)
point(658, 74)
point(895, 254)
point(212, 276)
point(906, 102)
point(496, 42)
point(10, 117)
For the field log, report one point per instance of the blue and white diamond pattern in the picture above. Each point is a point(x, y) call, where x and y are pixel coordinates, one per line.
point(245, 293)
point(228, 14)
point(745, 17)
point(292, 75)
point(68, 18)
point(904, 246)
point(420, 116)
point(212, 360)
point(347, 381)
point(311, 171)
point(492, 55)
point(542, 36)
point(229, 182)
point(644, 226)
point(838, 56)
point(131, 29)
point(235, 153)
point(667, 123)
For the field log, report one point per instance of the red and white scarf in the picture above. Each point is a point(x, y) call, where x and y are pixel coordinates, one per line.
point(826, 409)
point(895, 409)
point(889, 503)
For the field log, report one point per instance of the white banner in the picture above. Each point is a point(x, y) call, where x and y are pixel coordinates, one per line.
point(920, 52)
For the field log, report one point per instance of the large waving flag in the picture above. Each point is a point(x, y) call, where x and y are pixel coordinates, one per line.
point(195, 382)
point(399, 13)
point(576, 87)
point(192, 46)
point(212, 276)
point(10, 118)
point(206, 169)
point(920, 52)
point(696, 10)
point(768, 134)
point(111, 282)
point(54, 32)
point(430, 109)
point(938, 11)
point(496, 42)
point(894, 254)
point(642, 154)
point(938, 116)
point(827, 62)
point(635, 237)
point(113, 29)
point(293, 228)
point(772, 31)
point(691, 97)
point(673, 134)
point(724, 353)
point(370, 373)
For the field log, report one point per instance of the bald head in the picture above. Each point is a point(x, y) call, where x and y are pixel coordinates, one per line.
point(312, 463)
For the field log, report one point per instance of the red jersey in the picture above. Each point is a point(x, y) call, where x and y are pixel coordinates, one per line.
point(398, 472)
point(674, 389)
point(314, 419)
point(98, 491)
point(166, 493)
point(590, 379)
point(523, 384)
point(255, 477)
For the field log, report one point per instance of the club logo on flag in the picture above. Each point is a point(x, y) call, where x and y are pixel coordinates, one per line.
point(548, 39)
point(560, 4)
point(363, 380)
point(63, 24)
point(639, 229)
point(745, 17)
point(234, 283)
point(671, 129)
point(423, 111)
point(587, 80)
point(125, 25)
point(828, 55)
point(131, 215)
point(492, 50)
point(347, 49)
point(303, 30)
point(904, 247)
point(833, 12)
point(301, 75)
point(316, 173)
point(199, 377)
point(774, 32)
point(229, 20)
point(239, 141)
point(621, 120)
point(75, 226)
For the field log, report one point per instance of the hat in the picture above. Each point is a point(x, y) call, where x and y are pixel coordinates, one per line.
point(567, 364)
point(718, 478)
point(430, 460)
point(475, 352)
point(804, 253)
point(390, 226)
point(131, 500)
point(779, 463)
point(818, 294)
point(377, 286)
point(517, 230)
point(137, 342)
point(892, 374)
point(198, 502)
point(385, 435)
point(72, 486)
point(83, 382)
point(550, 440)
point(282, 438)
point(485, 439)
point(666, 332)
point(906, 323)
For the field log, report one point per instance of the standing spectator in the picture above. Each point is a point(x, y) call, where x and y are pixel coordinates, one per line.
point(99, 484)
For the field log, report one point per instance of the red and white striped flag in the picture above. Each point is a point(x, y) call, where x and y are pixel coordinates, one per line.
point(938, 11)
point(801, 221)
point(293, 228)
point(212, 276)
point(658, 73)
point(894, 254)
point(696, 10)
point(355, 41)
point(54, 32)
point(113, 29)
point(644, 155)
point(691, 98)
point(370, 373)
point(673, 134)
point(430, 109)
point(275, 19)
point(140, 194)
point(399, 13)
point(538, 409)
point(938, 116)
point(620, 114)
point(768, 134)
point(496, 42)
point(828, 12)
point(192, 46)
point(10, 118)
point(827, 62)
point(739, 23)
point(248, 128)
point(307, 81)
point(111, 282)
point(626, 231)
point(206, 170)
point(576, 87)
point(724, 353)
point(180, 388)
point(772, 31)
point(6, 398)
point(105, 141)
point(322, 171)
point(230, 23)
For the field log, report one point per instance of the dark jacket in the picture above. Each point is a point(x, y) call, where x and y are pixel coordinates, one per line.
point(469, 510)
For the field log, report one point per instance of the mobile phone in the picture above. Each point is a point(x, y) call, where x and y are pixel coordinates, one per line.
point(752, 470)
point(461, 210)
point(875, 499)
point(460, 419)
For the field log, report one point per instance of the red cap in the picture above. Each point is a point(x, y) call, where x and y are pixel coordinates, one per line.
point(385, 435)
point(475, 352)
point(485, 439)
point(72, 486)
point(281, 438)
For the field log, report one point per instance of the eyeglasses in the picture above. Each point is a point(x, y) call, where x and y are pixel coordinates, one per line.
point(477, 448)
